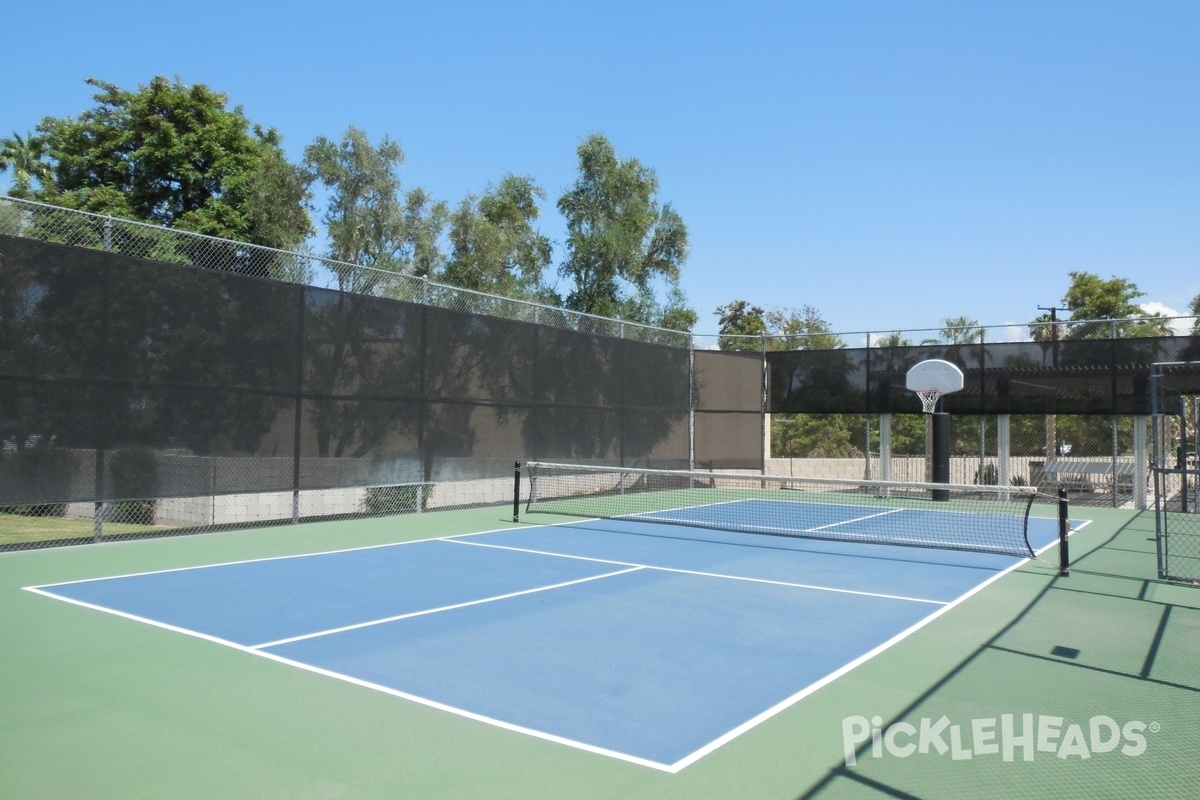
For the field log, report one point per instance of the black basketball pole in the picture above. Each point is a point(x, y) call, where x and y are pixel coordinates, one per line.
point(941, 453)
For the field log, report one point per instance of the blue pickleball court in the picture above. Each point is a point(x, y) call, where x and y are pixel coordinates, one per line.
point(650, 642)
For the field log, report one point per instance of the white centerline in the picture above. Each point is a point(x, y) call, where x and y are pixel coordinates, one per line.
point(699, 573)
point(856, 519)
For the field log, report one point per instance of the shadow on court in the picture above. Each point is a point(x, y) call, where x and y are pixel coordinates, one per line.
point(1092, 690)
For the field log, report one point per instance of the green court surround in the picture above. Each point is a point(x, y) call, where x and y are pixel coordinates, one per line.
point(97, 706)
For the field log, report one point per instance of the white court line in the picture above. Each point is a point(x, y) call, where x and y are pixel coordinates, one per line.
point(704, 574)
point(831, 677)
point(423, 612)
point(865, 657)
point(857, 519)
point(262, 559)
point(499, 723)
point(550, 737)
point(661, 515)
point(126, 615)
point(458, 539)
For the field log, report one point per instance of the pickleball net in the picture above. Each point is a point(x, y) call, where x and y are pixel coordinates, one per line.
point(989, 519)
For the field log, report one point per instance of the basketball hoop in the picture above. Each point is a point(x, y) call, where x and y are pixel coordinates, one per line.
point(931, 379)
point(929, 399)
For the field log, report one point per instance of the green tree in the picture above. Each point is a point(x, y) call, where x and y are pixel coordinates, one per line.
point(620, 241)
point(741, 326)
point(1047, 328)
point(802, 329)
point(24, 156)
point(908, 434)
point(1090, 297)
point(675, 313)
point(376, 233)
point(814, 436)
point(961, 330)
point(746, 327)
point(276, 196)
point(174, 155)
point(893, 339)
point(956, 331)
point(370, 222)
point(805, 382)
point(494, 246)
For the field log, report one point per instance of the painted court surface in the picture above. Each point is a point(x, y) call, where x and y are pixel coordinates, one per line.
point(455, 655)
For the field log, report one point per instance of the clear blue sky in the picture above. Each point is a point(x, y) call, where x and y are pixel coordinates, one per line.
point(889, 163)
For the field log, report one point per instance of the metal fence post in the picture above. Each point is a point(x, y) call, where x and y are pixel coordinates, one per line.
point(691, 404)
point(766, 420)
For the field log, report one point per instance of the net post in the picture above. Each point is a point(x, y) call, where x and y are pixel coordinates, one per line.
point(1064, 528)
point(517, 492)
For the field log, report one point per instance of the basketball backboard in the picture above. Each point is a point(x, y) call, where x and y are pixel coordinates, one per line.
point(934, 375)
point(931, 379)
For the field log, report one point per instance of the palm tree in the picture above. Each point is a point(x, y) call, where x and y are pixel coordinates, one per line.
point(23, 155)
point(961, 330)
point(892, 340)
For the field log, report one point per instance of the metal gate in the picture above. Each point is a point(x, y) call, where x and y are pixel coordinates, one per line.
point(1174, 393)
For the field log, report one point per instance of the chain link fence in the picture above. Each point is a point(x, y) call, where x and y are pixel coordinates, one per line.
point(268, 387)
point(52, 224)
point(1094, 458)
point(154, 383)
point(1176, 473)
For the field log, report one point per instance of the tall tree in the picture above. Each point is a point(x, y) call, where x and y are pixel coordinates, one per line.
point(494, 244)
point(893, 339)
point(174, 155)
point(1090, 297)
point(675, 313)
point(747, 327)
point(813, 436)
point(961, 330)
point(370, 222)
point(1046, 327)
point(741, 326)
point(620, 240)
point(751, 328)
point(802, 329)
point(24, 156)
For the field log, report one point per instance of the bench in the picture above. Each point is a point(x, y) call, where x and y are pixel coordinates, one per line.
point(1082, 475)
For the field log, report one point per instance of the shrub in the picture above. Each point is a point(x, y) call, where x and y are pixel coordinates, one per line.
point(987, 475)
